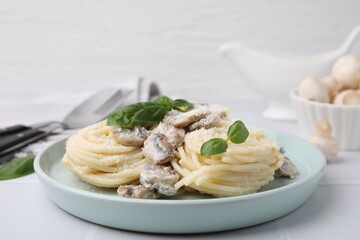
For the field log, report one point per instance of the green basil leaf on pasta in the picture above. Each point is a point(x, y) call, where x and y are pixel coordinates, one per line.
point(17, 168)
point(237, 132)
point(282, 150)
point(182, 105)
point(150, 115)
point(123, 116)
point(145, 113)
point(213, 146)
point(165, 101)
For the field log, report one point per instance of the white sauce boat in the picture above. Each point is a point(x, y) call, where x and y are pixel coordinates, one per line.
point(272, 75)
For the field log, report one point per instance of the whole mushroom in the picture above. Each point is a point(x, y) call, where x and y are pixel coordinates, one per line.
point(346, 71)
point(323, 139)
point(332, 86)
point(311, 89)
point(348, 97)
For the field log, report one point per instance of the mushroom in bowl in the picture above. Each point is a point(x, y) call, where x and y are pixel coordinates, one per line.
point(344, 119)
point(335, 99)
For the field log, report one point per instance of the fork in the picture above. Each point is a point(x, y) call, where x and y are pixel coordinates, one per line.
point(88, 112)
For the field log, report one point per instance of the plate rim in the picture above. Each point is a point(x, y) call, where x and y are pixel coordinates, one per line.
point(43, 176)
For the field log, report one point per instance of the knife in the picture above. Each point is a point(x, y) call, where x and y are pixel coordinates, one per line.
point(13, 129)
point(24, 138)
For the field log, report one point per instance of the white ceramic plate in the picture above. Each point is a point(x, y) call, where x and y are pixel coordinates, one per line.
point(187, 213)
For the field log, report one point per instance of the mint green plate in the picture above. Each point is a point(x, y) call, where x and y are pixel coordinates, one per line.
point(187, 213)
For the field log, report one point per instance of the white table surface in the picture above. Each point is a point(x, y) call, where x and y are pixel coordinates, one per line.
point(332, 212)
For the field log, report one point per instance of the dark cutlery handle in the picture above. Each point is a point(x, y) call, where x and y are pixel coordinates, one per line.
point(7, 157)
point(17, 138)
point(17, 147)
point(13, 129)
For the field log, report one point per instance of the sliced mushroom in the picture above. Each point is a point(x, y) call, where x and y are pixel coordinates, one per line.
point(311, 89)
point(287, 169)
point(158, 149)
point(205, 122)
point(182, 119)
point(346, 71)
point(174, 134)
point(323, 139)
point(348, 97)
point(137, 191)
point(159, 178)
point(200, 111)
point(131, 137)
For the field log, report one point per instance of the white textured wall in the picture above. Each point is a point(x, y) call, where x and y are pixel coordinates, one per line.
point(74, 44)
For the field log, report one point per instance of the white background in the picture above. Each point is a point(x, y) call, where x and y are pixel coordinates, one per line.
point(51, 46)
point(55, 53)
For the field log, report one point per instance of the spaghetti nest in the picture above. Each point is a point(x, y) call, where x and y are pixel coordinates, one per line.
point(242, 169)
point(94, 155)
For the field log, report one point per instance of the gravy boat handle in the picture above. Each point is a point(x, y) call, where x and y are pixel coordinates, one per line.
point(349, 40)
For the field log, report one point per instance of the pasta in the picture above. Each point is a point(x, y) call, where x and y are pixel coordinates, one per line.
point(97, 158)
point(242, 169)
point(159, 159)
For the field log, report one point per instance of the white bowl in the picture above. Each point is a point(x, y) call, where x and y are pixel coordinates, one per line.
point(345, 120)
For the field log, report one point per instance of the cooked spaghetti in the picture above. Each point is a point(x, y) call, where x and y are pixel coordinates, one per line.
point(242, 169)
point(94, 155)
point(158, 159)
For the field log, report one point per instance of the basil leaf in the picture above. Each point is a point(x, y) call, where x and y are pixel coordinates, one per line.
point(213, 146)
point(282, 150)
point(165, 101)
point(146, 113)
point(124, 117)
point(182, 105)
point(237, 132)
point(150, 115)
point(17, 168)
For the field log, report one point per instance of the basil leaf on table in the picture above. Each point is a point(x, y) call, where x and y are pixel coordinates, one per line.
point(182, 105)
point(237, 132)
point(17, 168)
point(213, 146)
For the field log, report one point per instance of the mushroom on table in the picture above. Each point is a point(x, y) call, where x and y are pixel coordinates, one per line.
point(322, 138)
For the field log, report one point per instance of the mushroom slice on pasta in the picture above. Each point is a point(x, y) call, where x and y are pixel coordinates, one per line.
point(202, 115)
point(159, 177)
point(131, 137)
